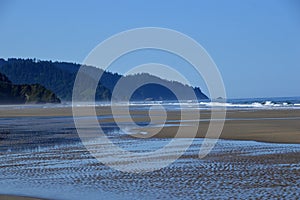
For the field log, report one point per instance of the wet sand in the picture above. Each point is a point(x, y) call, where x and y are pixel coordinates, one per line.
point(278, 126)
point(11, 197)
point(233, 170)
point(42, 156)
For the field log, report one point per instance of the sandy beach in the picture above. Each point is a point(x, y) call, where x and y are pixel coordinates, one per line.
point(11, 197)
point(278, 126)
point(41, 155)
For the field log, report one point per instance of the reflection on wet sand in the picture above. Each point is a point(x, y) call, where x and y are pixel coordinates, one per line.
point(44, 157)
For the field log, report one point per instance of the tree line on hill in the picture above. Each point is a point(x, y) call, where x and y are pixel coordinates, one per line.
point(59, 77)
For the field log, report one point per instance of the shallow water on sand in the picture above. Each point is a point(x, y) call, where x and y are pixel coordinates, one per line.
point(44, 157)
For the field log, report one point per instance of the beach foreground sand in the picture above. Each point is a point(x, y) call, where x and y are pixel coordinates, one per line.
point(278, 126)
point(12, 197)
point(42, 156)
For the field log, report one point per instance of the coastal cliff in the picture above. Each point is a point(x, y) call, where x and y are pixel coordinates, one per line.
point(24, 93)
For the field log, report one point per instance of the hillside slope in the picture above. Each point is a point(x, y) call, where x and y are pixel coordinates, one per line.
point(20, 94)
point(60, 77)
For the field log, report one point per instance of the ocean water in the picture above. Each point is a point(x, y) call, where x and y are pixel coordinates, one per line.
point(44, 157)
point(246, 103)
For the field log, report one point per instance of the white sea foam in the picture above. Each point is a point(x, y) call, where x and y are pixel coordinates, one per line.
point(265, 105)
point(175, 105)
point(204, 104)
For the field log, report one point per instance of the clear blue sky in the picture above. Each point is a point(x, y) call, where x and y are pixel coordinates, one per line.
point(255, 44)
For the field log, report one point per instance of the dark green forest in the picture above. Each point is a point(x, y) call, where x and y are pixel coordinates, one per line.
point(59, 77)
point(24, 93)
